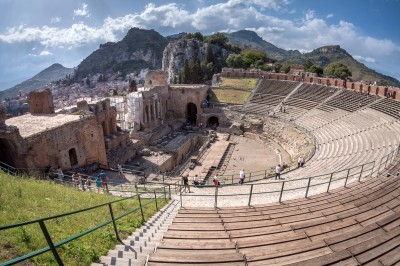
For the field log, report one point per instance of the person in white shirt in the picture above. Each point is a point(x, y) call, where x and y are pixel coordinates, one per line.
point(278, 172)
point(241, 176)
point(196, 180)
point(120, 173)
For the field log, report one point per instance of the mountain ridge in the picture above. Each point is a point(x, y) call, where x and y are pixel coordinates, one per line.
point(54, 72)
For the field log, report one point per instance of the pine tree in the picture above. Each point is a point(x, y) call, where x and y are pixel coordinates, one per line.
point(209, 54)
point(185, 72)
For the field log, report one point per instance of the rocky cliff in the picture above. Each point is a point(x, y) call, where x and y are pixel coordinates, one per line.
point(193, 50)
point(138, 49)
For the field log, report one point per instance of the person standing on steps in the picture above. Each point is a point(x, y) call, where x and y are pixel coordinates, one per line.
point(185, 179)
point(278, 172)
point(98, 183)
point(120, 173)
point(215, 180)
point(60, 173)
point(196, 180)
point(103, 178)
point(241, 176)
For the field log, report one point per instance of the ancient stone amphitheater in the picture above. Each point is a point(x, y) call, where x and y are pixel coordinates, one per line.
point(357, 222)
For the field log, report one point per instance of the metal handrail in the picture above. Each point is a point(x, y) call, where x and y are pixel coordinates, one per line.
point(366, 170)
point(53, 246)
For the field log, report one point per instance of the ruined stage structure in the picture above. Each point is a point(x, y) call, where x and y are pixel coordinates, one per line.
point(86, 136)
point(157, 101)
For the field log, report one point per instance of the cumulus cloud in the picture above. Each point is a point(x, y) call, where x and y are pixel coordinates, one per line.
point(45, 53)
point(304, 34)
point(82, 12)
point(55, 20)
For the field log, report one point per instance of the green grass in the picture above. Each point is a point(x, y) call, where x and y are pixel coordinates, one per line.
point(24, 199)
point(238, 83)
point(230, 96)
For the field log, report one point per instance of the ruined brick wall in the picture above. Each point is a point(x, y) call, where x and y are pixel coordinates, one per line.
point(155, 78)
point(70, 146)
point(181, 95)
point(106, 116)
point(41, 102)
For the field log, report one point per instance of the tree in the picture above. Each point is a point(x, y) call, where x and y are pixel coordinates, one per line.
point(132, 86)
point(277, 67)
point(317, 69)
point(185, 72)
point(217, 38)
point(209, 54)
point(337, 70)
point(195, 74)
point(285, 68)
point(235, 60)
point(308, 64)
point(250, 57)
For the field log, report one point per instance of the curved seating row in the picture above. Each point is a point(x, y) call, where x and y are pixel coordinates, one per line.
point(358, 225)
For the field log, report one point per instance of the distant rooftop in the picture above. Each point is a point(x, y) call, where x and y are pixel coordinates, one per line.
point(30, 125)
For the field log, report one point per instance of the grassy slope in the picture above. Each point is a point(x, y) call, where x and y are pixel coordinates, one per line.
point(233, 90)
point(25, 199)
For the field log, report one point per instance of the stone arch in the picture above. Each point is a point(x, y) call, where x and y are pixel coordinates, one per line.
point(213, 121)
point(73, 158)
point(191, 113)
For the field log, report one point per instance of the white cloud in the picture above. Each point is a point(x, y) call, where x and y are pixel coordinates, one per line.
point(45, 53)
point(55, 20)
point(82, 12)
point(330, 16)
point(304, 34)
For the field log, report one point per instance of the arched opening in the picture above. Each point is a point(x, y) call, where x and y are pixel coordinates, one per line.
point(213, 122)
point(7, 152)
point(191, 113)
point(73, 159)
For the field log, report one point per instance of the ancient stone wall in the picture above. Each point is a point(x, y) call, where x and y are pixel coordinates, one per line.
point(106, 116)
point(180, 96)
point(155, 78)
point(382, 91)
point(41, 102)
point(69, 146)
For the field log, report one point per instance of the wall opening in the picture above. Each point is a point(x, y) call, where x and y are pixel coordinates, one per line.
point(191, 113)
point(73, 159)
point(7, 152)
point(213, 121)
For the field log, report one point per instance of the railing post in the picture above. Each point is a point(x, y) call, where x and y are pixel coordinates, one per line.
point(250, 177)
point(216, 197)
point(265, 173)
point(347, 177)
point(141, 209)
point(163, 179)
point(280, 196)
point(50, 242)
point(379, 168)
point(165, 195)
point(329, 184)
point(169, 191)
point(362, 168)
point(372, 171)
point(180, 195)
point(251, 193)
point(155, 199)
point(232, 179)
point(308, 186)
point(113, 220)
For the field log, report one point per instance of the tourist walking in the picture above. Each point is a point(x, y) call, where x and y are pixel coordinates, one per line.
point(120, 173)
point(241, 176)
point(185, 179)
point(103, 178)
point(80, 181)
point(278, 172)
point(60, 174)
point(98, 183)
point(88, 183)
point(215, 181)
point(196, 180)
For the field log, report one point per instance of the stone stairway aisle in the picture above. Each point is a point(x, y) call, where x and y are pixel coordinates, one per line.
point(134, 250)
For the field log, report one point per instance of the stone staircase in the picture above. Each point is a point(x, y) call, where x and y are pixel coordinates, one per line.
point(134, 250)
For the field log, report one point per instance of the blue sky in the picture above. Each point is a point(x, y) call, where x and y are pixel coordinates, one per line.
point(36, 34)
